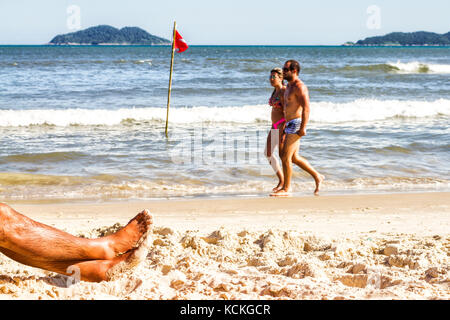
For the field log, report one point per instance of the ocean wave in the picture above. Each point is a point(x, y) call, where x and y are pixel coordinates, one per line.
point(67, 117)
point(11, 179)
point(393, 149)
point(366, 110)
point(401, 67)
point(148, 61)
point(43, 157)
point(419, 67)
point(383, 67)
point(360, 110)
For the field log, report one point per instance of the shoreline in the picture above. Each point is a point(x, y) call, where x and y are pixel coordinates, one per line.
point(304, 213)
point(236, 196)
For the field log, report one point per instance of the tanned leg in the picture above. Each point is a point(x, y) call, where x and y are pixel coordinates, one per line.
point(290, 146)
point(88, 270)
point(38, 245)
point(304, 164)
point(31, 238)
point(271, 144)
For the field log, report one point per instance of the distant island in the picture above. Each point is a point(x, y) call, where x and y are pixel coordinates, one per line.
point(107, 35)
point(420, 38)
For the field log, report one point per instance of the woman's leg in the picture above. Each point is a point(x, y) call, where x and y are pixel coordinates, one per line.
point(271, 144)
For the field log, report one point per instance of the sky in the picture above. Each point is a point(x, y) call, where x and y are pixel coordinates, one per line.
point(228, 22)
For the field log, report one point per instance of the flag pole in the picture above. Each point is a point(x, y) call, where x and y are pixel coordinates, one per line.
point(170, 77)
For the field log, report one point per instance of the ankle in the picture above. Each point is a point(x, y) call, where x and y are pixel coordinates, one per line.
point(103, 248)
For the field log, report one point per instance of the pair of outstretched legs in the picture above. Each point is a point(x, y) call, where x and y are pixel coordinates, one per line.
point(289, 146)
point(38, 245)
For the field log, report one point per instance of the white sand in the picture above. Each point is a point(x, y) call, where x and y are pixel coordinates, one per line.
point(391, 246)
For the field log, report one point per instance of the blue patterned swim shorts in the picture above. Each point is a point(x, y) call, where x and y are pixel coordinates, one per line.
point(293, 126)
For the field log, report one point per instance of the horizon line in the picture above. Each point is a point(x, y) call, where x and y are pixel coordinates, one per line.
point(214, 45)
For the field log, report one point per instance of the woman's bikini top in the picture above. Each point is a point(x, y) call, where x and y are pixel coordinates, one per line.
point(275, 101)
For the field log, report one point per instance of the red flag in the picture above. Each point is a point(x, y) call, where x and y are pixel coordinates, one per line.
point(180, 43)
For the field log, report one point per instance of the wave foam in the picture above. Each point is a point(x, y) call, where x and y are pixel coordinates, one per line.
point(326, 112)
point(67, 117)
point(22, 186)
point(376, 110)
point(419, 67)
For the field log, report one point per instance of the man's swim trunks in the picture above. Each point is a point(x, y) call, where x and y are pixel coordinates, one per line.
point(293, 126)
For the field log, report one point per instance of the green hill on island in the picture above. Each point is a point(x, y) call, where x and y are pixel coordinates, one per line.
point(104, 34)
point(420, 38)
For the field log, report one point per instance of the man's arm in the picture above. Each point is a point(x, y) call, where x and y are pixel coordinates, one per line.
point(304, 98)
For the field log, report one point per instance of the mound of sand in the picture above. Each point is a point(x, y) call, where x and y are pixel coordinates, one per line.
point(230, 263)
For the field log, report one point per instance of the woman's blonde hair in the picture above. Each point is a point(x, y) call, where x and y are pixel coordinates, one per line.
point(279, 71)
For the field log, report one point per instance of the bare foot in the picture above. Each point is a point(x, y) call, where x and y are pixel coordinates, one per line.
point(281, 193)
point(131, 235)
point(318, 183)
point(106, 270)
point(130, 259)
point(278, 187)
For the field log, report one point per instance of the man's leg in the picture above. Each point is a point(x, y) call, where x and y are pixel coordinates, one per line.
point(38, 245)
point(31, 238)
point(88, 270)
point(291, 142)
point(304, 164)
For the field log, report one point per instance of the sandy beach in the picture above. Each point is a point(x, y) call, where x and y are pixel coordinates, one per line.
point(375, 246)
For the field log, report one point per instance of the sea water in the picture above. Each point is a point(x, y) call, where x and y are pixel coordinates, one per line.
point(88, 122)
